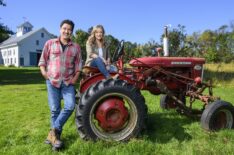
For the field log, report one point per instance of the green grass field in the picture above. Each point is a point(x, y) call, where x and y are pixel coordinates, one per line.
point(24, 122)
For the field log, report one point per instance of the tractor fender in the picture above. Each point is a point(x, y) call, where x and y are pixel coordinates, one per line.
point(87, 82)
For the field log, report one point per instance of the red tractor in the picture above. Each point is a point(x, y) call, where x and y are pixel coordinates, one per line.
point(114, 109)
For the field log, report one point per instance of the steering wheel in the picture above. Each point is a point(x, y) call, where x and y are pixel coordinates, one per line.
point(119, 51)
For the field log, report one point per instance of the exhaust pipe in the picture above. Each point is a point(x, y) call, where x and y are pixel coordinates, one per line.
point(165, 42)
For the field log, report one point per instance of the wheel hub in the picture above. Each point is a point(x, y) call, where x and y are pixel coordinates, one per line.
point(112, 114)
point(223, 120)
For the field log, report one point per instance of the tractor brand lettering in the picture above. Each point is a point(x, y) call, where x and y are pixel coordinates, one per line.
point(181, 63)
point(197, 67)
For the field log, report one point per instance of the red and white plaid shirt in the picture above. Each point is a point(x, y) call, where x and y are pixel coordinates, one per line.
point(61, 65)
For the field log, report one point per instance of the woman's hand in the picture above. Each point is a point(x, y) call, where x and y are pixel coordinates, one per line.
point(94, 55)
point(108, 61)
point(105, 62)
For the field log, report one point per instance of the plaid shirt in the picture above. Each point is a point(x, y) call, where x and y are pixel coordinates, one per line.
point(60, 65)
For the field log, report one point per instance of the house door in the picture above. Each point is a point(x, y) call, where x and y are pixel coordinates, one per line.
point(33, 59)
point(21, 61)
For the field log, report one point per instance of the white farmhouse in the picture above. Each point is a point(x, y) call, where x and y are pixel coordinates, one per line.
point(24, 48)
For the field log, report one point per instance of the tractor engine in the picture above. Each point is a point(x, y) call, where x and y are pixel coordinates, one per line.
point(169, 71)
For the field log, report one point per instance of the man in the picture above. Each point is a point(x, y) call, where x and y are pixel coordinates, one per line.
point(60, 65)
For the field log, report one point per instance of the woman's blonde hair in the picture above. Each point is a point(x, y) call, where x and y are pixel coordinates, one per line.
point(92, 39)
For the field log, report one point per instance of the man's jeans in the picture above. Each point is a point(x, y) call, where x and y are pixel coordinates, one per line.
point(98, 62)
point(67, 93)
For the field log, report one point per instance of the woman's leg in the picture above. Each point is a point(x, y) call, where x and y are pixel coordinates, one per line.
point(97, 62)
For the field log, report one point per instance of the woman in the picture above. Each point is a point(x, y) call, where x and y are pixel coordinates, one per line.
point(97, 53)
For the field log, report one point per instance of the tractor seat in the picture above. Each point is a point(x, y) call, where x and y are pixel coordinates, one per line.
point(89, 69)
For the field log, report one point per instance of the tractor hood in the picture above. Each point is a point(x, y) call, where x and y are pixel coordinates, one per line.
point(166, 61)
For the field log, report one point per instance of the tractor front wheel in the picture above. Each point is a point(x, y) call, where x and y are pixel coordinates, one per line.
point(218, 115)
point(111, 110)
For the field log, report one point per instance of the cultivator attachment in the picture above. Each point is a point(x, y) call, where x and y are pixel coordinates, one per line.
point(194, 89)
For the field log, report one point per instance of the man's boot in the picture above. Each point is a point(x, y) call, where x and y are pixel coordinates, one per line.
point(53, 138)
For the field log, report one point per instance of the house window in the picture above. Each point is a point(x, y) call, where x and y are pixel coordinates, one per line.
point(9, 52)
point(15, 60)
point(37, 42)
point(42, 35)
point(13, 52)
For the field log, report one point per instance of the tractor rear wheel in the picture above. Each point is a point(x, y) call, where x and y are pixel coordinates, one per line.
point(111, 110)
point(218, 115)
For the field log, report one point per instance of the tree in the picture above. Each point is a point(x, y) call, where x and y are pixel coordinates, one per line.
point(112, 43)
point(2, 3)
point(81, 38)
point(129, 49)
point(222, 43)
point(149, 46)
point(207, 42)
point(5, 32)
point(138, 51)
point(191, 42)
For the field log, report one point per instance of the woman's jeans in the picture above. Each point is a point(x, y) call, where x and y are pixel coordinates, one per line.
point(55, 95)
point(98, 62)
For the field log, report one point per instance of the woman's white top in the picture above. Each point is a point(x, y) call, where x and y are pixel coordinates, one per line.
point(100, 52)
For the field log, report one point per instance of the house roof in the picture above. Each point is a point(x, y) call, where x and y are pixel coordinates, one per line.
point(15, 40)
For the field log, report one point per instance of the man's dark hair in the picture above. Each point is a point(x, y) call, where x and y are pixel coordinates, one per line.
point(69, 22)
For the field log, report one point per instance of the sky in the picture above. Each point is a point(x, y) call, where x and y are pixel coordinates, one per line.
point(131, 20)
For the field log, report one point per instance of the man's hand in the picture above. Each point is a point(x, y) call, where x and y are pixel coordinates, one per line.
point(75, 78)
point(43, 72)
point(73, 81)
